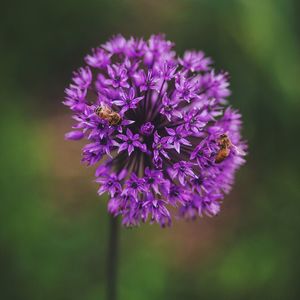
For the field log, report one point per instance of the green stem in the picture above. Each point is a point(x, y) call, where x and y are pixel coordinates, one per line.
point(112, 258)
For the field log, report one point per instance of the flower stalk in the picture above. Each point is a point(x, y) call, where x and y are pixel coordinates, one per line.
point(113, 258)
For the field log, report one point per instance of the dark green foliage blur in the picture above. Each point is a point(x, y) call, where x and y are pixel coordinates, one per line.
point(53, 232)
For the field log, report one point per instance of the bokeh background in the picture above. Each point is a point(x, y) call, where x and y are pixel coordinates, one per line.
point(53, 232)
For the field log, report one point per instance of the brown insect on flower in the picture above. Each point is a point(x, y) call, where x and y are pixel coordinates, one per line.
point(106, 113)
point(225, 145)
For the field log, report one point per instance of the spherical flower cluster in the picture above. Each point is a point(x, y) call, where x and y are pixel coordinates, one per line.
point(158, 127)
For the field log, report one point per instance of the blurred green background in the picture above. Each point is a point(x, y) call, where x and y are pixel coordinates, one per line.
point(53, 232)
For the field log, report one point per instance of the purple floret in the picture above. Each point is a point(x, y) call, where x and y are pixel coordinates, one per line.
point(164, 148)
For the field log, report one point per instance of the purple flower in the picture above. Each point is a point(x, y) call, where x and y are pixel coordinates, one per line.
point(195, 61)
point(177, 137)
point(83, 78)
point(116, 45)
point(154, 179)
point(135, 185)
point(181, 170)
point(178, 194)
point(215, 85)
point(118, 76)
point(160, 145)
point(111, 183)
point(75, 98)
point(100, 129)
point(167, 71)
point(158, 211)
point(74, 135)
point(186, 88)
point(93, 152)
point(128, 100)
point(157, 127)
point(114, 206)
point(204, 153)
point(196, 120)
point(136, 48)
point(147, 129)
point(169, 108)
point(99, 59)
point(200, 205)
point(129, 142)
point(158, 51)
point(146, 81)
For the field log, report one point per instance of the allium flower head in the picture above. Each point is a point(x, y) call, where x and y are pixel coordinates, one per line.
point(158, 128)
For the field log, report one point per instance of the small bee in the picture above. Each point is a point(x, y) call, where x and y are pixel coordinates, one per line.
point(106, 113)
point(225, 145)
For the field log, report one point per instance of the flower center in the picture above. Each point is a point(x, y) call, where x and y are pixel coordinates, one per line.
point(134, 185)
point(150, 180)
point(182, 168)
point(168, 108)
point(186, 93)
